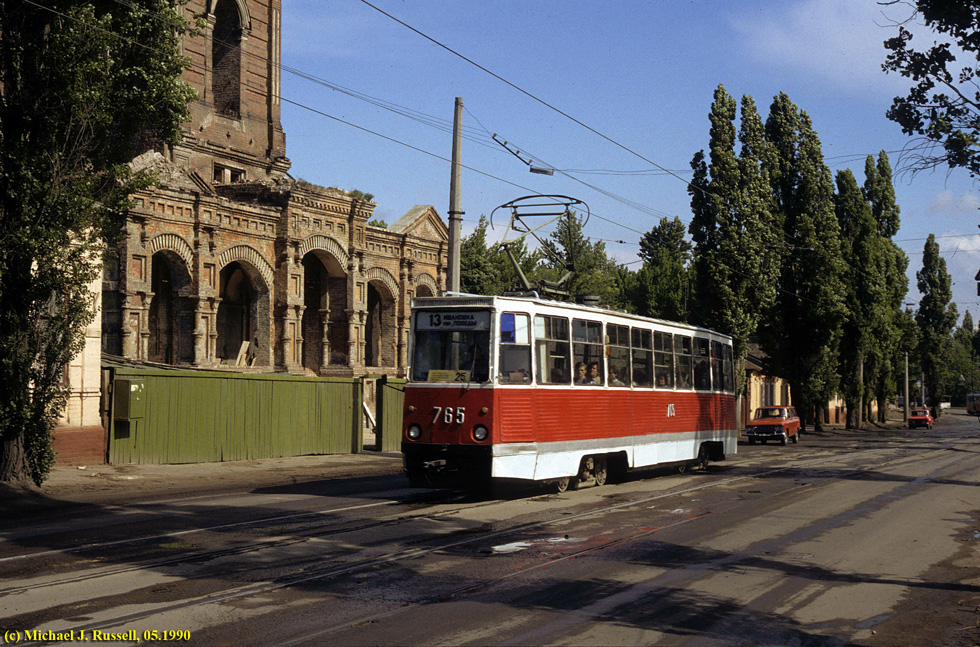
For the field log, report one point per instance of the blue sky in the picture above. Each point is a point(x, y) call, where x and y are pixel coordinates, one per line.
point(640, 73)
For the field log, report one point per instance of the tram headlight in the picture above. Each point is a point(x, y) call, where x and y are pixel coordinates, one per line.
point(414, 432)
point(480, 433)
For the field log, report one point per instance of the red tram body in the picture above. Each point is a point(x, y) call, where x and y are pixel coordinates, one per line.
point(524, 388)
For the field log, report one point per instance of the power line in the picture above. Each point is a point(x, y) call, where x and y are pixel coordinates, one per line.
point(532, 96)
point(324, 114)
point(407, 112)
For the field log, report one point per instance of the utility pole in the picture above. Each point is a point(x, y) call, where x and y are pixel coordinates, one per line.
point(455, 214)
point(860, 411)
point(906, 418)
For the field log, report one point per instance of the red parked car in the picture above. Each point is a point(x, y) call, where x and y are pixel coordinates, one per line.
point(920, 418)
point(774, 423)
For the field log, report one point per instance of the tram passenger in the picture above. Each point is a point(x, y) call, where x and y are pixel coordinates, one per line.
point(614, 377)
point(595, 378)
point(582, 373)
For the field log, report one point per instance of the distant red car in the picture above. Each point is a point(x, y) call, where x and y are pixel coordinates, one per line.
point(774, 423)
point(920, 418)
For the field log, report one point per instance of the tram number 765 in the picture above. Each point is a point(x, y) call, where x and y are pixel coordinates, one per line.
point(448, 416)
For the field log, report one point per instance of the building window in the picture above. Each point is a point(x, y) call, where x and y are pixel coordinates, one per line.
point(226, 59)
point(227, 175)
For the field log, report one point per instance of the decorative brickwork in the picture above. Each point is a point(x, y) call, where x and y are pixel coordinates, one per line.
point(230, 264)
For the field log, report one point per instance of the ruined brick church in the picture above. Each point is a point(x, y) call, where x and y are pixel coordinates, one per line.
point(229, 263)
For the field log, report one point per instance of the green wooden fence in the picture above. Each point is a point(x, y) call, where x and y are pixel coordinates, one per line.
point(390, 405)
point(204, 416)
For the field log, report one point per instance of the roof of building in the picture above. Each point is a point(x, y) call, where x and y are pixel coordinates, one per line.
point(422, 218)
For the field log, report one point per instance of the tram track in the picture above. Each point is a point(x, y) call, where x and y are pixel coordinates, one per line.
point(306, 573)
point(312, 637)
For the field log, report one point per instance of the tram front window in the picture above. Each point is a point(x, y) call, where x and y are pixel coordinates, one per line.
point(451, 346)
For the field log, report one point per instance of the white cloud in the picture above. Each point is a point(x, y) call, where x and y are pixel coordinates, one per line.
point(948, 203)
point(837, 41)
point(962, 256)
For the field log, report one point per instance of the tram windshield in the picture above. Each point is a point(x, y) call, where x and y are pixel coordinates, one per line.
point(451, 346)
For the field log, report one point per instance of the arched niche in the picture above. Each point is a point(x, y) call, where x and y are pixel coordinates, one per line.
point(171, 314)
point(243, 316)
point(325, 321)
point(381, 324)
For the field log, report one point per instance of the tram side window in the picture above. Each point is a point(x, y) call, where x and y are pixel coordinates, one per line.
point(587, 352)
point(717, 366)
point(684, 357)
point(619, 355)
point(663, 345)
point(552, 350)
point(642, 357)
point(514, 362)
point(702, 364)
point(729, 369)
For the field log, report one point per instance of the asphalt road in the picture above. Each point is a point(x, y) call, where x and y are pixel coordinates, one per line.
point(848, 538)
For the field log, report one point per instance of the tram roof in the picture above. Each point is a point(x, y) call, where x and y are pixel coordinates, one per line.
point(461, 299)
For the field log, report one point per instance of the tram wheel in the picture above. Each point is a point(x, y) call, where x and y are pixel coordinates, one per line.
point(601, 471)
point(562, 484)
point(751, 441)
point(796, 438)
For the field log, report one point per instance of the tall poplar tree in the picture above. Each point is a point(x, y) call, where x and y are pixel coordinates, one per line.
point(887, 357)
point(865, 290)
point(936, 318)
point(732, 225)
point(802, 332)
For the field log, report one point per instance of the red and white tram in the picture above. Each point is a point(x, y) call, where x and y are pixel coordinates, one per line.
point(525, 388)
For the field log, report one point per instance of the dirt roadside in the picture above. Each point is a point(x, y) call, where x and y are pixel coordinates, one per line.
point(68, 487)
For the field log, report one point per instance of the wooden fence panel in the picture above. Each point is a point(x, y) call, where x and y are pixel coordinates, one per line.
point(201, 416)
point(391, 403)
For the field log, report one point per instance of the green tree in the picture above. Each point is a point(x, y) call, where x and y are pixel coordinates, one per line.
point(908, 348)
point(733, 226)
point(936, 318)
point(478, 274)
point(864, 288)
point(802, 332)
point(486, 269)
point(963, 365)
point(886, 360)
point(82, 91)
point(660, 287)
point(377, 222)
point(528, 260)
point(593, 272)
point(879, 191)
point(942, 108)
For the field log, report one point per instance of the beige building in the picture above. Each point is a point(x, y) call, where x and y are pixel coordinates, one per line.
point(230, 263)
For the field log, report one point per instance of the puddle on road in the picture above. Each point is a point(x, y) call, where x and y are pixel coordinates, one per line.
point(516, 546)
point(512, 547)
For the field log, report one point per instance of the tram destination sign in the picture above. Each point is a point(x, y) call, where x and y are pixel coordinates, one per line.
point(452, 320)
